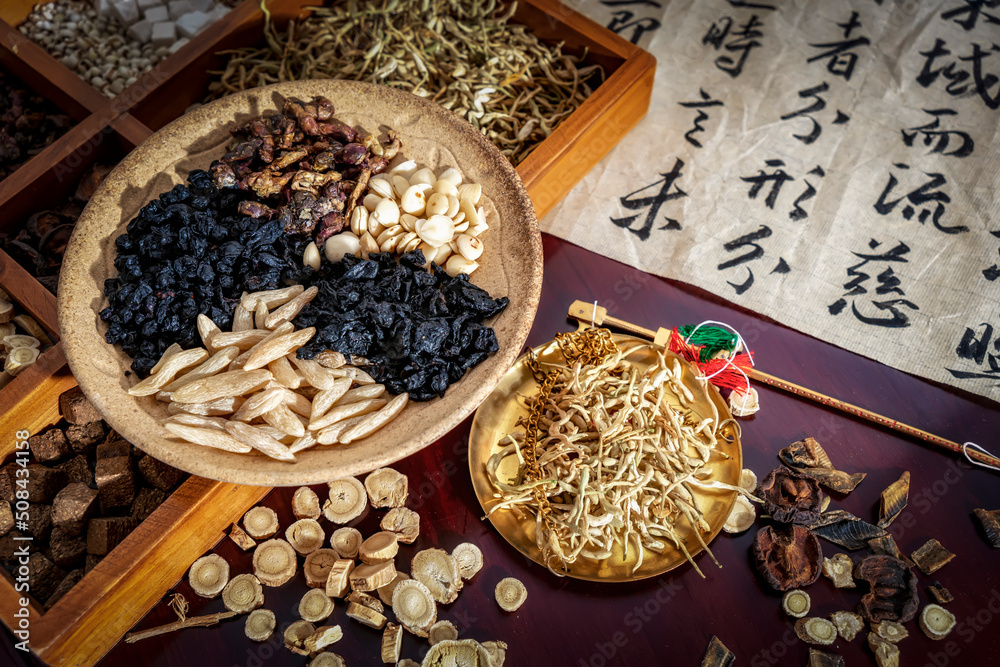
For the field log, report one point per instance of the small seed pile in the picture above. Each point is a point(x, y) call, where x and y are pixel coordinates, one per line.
point(467, 56)
point(27, 124)
point(95, 47)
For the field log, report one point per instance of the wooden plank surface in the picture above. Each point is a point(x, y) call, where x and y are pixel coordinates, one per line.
point(669, 619)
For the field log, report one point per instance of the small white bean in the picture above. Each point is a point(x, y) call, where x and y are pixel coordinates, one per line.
point(341, 244)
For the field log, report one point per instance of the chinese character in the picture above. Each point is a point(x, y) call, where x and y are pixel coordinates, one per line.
point(974, 347)
point(777, 178)
point(940, 138)
point(924, 194)
point(798, 213)
point(706, 101)
point(754, 252)
point(818, 105)
point(744, 40)
point(972, 9)
point(841, 57)
point(958, 79)
point(888, 283)
point(993, 272)
point(653, 203)
point(625, 19)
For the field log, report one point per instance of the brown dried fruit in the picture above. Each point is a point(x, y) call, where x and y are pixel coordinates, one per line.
point(821, 659)
point(717, 655)
point(893, 594)
point(893, 500)
point(940, 594)
point(790, 497)
point(931, 557)
point(989, 520)
point(808, 457)
point(788, 557)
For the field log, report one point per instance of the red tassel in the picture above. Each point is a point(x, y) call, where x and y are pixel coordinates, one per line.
point(728, 376)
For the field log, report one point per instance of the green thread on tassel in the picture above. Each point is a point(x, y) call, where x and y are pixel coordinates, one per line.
point(711, 339)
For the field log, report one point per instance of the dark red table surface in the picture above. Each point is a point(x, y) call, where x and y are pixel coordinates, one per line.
point(669, 620)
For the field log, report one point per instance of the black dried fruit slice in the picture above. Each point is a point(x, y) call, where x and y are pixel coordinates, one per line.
point(893, 500)
point(790, 497)
point(845, 530)
point(990, 522)
point(787, 557)
point(931, 557)
point(893, 594)
point(717, 655)
point(809, 458)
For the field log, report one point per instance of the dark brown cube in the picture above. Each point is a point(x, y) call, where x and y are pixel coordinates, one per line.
point(39, 521)
point(11, 546)
point(77, 470)
point(49, 446)
point(7, 483)
point(72, 507)
point(114, 447)
point(115, 482)
point(6, 518)
point(67, 550)
point(43, 576)
point(44, 483)
point(105, 533)
point(146, 502)
point(92, 562)
point(68, 582)
point(77, 408)
point(159, 474)
point(83, 437)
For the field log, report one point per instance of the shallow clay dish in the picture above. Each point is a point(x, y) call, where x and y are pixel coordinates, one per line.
point(434, 137)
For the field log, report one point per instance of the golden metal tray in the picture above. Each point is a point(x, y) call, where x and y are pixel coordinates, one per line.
point(497, 417)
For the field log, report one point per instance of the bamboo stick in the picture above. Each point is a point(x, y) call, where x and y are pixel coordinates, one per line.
point(193, 622)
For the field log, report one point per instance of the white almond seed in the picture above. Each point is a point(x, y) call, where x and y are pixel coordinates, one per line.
point(437, 204)
point(408, 221)
point(310, 257)
point(436, 230)
point(399, 185)
point(469, 209)
point(371, 201)
point(413, 201)
point(381, 187)
point(368, 244)
point(457, 264)
point(387, 213)
point(446, 188)
point(395, 230)
point(469, 247)
point(342, 244)
point(452, 175)
point(359, 220)
point(404, 169)
point(424, 175)
point(471, 192)
point(453, 206)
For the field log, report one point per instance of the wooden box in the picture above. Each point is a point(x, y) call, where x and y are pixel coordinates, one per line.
point(83, 625)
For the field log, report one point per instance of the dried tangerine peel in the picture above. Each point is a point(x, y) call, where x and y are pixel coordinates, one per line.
point(796, 603)
point(404, 522)
point(790, 496)
point(816, 630)
point(936, 621)
point(348, 500)
point(469, 559)
point(436, 569)
point(274, 562)
point(788, 557)
point(414, 606)
point(260, 624)
point(510, 594)
point(346, 542)
point(305, 536)
point(386, 488)
point(442, 631)
point(260, 522)
point(741, 517)
point(893, 589)
point(209, 575)
point(243, 593)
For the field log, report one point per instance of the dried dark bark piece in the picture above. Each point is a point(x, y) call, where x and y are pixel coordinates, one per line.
point(989, 521)
point(43, 576)
point(39, 521)
point(931, 557)
point(72, 507)
point(77, 408)
point(845, 530)
point(115, 482)
point(68, 582)
point(717, 655)
point(809, 458)
point(159, 474)
point(821, 659)
point(6, 518)
point(77, 470)
point(145, 503)
point(893, 500)
point(105, 533)
point(7, 480)
point(114, 447)
point(885, 545)
point(67, 549)
point(83, 437)
point(788, 557)
point(893, 589)
point(790, 497)
point(44, 483)
point(92, 562)
point(940, 594)
point(49, 446)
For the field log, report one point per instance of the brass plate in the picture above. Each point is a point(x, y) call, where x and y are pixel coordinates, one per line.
point(496, 417)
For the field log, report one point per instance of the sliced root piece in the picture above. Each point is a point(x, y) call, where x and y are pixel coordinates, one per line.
point(436, 569)
point(348, 499)
point(741, 517)
point(209, 575)
point(392, 643)
point(886, 653)
point(296, 635)
point(366, 616)
point(510, 594)
point(890, 631)
point(386, 488)
point(838, 570)
point(464, 652)
point(274, 562)
point(816, 630)
point(315, 606)
point(442, 631)
point(717, 654)
point(848, 624)
point(260, 522)
point(931, 557)
point(327, 660)
point(497, 651)
point(243, 593)
point(406, 662)
point(338, 582)
point(818, 658)
point(796, 603)
point(305, 536)
point(404, 522)
point(385, 592)
point(367, 600)
point(240, 537)
point(260, 624)
point(317, 567)
point(468, 558)
point(305, 503)
point(366, 577)
point(936, 621)
point(414, 606)
point(346, 542)
point(380, 547)
point(323, 637)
